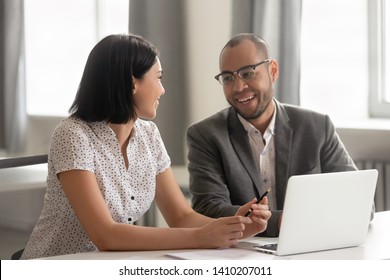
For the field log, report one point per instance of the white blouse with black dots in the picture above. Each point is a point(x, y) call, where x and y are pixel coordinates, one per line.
point(77, 144)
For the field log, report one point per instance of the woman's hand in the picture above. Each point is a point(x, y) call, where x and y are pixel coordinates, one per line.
point(223, 232)
point(260, 215)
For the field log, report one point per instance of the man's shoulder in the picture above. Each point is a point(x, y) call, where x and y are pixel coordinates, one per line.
point(303, 120)
point(295, 112)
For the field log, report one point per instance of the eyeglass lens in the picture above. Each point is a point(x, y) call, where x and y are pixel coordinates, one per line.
point(246, 73)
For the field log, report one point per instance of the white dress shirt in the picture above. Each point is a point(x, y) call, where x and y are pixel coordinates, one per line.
point(263, 148)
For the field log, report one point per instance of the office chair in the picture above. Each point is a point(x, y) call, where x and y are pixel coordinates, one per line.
point(17, 255)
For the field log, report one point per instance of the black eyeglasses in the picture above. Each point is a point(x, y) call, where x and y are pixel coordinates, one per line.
point(246, 73)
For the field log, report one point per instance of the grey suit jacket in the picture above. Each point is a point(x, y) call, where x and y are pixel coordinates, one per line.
point(222, 168)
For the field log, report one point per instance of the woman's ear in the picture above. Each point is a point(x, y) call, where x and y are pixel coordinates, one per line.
point(135, 85)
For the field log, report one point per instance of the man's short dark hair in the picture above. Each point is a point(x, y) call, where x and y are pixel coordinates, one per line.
point(260, 43)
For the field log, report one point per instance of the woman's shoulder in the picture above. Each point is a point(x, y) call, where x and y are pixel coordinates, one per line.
point(72, 128)
point(72, 124)
point(145, 126)
point(148, 131)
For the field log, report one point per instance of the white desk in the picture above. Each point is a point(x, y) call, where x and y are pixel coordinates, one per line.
point(376, 247)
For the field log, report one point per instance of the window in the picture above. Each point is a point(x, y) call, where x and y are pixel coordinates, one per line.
point(58, 37)
point(334, 53)
point(379, 24)
point(385, 46)
point(345, 58)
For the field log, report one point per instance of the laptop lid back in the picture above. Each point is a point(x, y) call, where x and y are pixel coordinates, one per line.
point(326, 211)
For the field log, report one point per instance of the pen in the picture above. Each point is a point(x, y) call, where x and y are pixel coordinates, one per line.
point(258, 201)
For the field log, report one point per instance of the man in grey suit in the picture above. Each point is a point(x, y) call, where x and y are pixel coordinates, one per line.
point(257, 143)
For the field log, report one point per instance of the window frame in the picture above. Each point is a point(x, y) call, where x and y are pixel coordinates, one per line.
point(378, 106)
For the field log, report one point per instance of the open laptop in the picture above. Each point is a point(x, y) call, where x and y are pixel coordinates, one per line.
point(325, 211)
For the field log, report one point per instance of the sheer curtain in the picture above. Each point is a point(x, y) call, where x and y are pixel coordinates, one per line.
point(279, 23)
point(163, 23)
point(12, 94)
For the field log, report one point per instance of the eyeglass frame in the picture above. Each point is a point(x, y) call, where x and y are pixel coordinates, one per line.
point(253, 66)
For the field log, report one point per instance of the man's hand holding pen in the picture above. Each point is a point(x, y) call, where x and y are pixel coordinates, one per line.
point(258, 211)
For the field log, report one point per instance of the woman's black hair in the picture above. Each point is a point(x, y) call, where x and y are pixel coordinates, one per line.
point(106, 88)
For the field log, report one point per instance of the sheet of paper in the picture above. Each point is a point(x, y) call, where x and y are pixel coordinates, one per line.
point(244, 251)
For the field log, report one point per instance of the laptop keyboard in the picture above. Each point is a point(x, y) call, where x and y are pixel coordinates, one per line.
point(268, 248)
point(272, 246)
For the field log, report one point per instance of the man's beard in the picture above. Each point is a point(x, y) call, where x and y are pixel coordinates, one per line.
point(259, 111)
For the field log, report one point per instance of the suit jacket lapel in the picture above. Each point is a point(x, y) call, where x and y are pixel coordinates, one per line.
point(242, 147)
point(283, 141)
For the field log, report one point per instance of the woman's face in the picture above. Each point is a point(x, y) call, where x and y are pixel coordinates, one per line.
point(147, 92)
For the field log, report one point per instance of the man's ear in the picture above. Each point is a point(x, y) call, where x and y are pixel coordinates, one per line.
point(274, 70)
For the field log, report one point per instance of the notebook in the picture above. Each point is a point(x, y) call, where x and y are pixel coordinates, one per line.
point(325, 211)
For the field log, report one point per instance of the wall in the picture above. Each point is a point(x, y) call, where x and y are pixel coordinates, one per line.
point(366, 143)
point(39, 131)
point(209, 25)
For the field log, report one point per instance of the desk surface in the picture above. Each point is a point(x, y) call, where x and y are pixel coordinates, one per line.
point(377, 246)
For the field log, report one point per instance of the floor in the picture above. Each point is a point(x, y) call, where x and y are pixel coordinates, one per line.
point(11, 241)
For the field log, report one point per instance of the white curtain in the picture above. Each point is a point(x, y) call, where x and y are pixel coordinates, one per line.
point(12, 94)
point(163, 23)
point(279, 23)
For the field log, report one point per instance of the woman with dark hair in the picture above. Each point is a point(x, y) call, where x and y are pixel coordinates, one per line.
point(107, 163)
